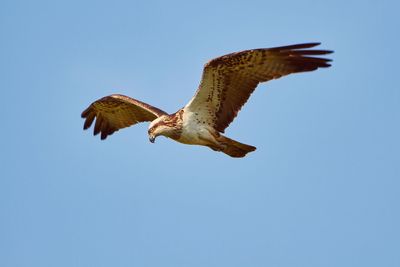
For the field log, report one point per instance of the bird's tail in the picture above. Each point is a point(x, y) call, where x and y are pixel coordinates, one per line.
point(234, 148)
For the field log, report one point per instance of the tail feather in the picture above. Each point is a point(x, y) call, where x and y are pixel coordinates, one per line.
point(234, 148)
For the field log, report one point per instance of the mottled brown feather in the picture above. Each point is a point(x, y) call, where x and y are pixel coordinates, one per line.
point(115, 112)
point(229, 80)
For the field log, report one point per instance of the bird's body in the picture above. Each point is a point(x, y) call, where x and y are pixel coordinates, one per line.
point(226, 85)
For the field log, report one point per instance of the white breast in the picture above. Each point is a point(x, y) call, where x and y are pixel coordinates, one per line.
point(194, 130)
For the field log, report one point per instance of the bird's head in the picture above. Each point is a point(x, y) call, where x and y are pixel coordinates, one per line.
point(159, 127)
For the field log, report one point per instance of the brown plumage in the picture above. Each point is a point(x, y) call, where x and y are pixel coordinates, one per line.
point(115, 112)
point(228, 81)
point(226, 85)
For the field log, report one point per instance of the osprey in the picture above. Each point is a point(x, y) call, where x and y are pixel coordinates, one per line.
point(226, 85)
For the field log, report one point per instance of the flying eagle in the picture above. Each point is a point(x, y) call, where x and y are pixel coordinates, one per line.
point(226, 85)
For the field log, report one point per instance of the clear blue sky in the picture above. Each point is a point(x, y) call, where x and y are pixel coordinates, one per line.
point(322, 189)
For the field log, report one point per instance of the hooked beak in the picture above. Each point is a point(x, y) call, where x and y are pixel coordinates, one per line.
point(152, 138)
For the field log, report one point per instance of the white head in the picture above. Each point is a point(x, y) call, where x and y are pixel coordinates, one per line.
point(160, 126)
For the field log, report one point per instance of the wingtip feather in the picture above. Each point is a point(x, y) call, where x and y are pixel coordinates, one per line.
point(296, 46)
point(84, 113)
point(89, 120)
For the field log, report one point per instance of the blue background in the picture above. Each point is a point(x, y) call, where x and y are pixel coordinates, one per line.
point(322, 189)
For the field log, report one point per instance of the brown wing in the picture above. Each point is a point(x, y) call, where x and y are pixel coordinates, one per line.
point(115, 112)
point(228, 81)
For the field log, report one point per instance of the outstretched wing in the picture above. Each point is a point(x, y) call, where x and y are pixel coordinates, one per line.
point(115, 112)
point(228, 81)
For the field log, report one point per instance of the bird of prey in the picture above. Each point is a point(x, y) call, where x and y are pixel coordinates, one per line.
point(226, 85)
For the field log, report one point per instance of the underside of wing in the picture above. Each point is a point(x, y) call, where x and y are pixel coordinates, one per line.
point(115, 112)
point(228, 81)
